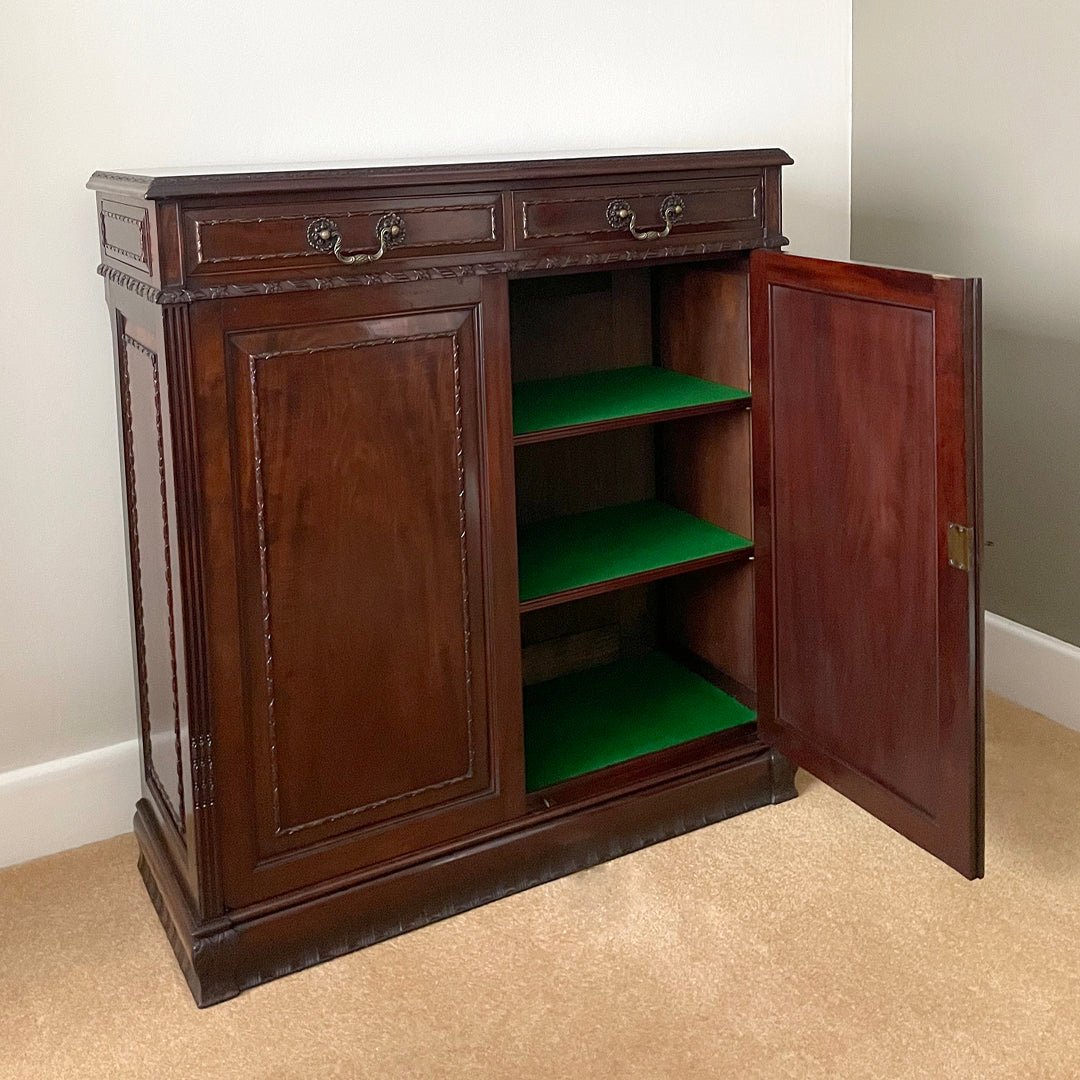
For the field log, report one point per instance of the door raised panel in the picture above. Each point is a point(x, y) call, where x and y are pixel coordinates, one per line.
point(358, 462)
point(865, 450)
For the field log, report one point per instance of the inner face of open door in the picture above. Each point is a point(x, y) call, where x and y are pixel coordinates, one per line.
point(865, 451)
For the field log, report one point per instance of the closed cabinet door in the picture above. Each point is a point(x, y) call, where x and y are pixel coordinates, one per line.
point(368, 443)
point(866, 488)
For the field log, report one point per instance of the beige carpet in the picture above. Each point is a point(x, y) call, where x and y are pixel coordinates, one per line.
point(803, 940)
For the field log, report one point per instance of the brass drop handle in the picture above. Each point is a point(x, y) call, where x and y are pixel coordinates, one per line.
point(620, 216)
point(323, 235)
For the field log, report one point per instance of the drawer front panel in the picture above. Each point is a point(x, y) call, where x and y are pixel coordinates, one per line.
point(228, 240)
point(717, 207)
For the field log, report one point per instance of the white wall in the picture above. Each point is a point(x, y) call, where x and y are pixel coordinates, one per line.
point(129, 84)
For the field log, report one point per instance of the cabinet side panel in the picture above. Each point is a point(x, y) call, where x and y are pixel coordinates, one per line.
point(704, 322)
point(158, 617)
point(704, 462)
point(711, 613)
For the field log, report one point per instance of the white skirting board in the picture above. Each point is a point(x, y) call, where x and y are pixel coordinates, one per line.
point(1033, 669)
point(68, 802)
point(75, 800)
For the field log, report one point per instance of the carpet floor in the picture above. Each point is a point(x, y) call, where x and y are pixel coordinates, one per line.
point(804, 940)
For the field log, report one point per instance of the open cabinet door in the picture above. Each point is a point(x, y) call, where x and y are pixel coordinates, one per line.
point(867, 527)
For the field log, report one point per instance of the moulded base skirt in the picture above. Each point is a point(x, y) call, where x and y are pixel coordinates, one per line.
point(244, 948)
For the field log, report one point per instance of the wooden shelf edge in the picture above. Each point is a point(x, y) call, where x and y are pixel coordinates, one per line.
point(623, 777)
point(635, 420)
point(641, 578)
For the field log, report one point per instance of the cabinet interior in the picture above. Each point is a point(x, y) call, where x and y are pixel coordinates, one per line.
point(634, 510)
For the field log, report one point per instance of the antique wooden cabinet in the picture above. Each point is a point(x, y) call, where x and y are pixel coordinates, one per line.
point(489, 521)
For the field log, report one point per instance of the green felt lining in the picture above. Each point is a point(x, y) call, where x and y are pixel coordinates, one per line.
point(615, 542)
point(638, 705)
point(548, 404)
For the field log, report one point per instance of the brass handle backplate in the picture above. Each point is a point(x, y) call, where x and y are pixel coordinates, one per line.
point(620, 216)
point(323, 235)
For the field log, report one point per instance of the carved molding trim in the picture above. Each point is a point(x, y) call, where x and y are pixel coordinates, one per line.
point(207, 973)
point(177, 295)
point(120, 178)
point(133, 536)
point(126, 342)
point(169, 597)
point(133, 285)
point(204, 260)
point(172, 931)
point(253, 360)
point(202, 760)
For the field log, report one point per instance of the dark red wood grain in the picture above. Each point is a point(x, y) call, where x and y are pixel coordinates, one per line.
point(363, 434)
point(223, 956)
point(324, 493)
point(865, 382)
point(567, 216)
point(211, 235)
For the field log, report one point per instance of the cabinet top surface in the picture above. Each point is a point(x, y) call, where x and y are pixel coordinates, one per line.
point(166, 183)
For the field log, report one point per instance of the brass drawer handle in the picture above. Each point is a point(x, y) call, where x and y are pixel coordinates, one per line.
point(620, 216)
point(323, 235)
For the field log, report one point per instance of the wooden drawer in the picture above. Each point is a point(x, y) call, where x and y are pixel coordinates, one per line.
point(232, 240)
point(715, 208)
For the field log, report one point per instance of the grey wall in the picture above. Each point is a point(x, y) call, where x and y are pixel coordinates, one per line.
point(966, 159)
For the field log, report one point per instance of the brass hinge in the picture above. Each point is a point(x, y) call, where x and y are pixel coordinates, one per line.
point(961, 546)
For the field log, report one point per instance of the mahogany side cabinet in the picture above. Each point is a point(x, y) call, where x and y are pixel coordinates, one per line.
point(488, 521)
